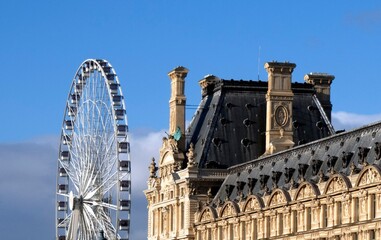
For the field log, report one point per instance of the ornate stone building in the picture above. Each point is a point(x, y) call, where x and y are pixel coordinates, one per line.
point(260, 160)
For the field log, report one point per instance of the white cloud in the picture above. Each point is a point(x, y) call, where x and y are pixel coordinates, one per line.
point(144, 146)
point(347, 120)
point(367, 20)
point(28, 184)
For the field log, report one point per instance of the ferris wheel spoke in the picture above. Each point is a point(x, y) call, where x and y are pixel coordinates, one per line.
point(87, 228)
point(70, 173)
point(74, 226)
point(108, 184)
point(63, 194)
point(92, 221)
point(108, 226)
point(109, 206)
point(101, 204)
point(65, 222)
point(88, 180)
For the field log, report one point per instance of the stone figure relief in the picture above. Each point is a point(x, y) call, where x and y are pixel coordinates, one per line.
point(206, 216)
point(363, 205)
point(369, 177)
point(337, 184)
point(315, 214)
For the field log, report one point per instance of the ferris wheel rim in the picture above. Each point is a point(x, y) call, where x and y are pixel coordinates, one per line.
point(87, 200)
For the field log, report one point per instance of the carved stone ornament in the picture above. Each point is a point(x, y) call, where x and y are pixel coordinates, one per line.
point(363, 153)
point(252, 205)
point(277, 198)
point(354, 168)
point(369, 177)
point(281, 115)
point(336, 184)
point(191, 156)
point(206, 215)
point(305, 191)
point(227, 211)
point(152, 169)
point(173, 144)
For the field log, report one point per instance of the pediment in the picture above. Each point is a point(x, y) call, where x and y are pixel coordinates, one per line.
point(207, 214)
point(253, 203)
point(337, 183)
point(369, 175)
point(229, 209)
point(278, 197)
point(306, 190)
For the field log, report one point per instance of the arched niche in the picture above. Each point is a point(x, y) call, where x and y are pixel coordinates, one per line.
point(369, 175)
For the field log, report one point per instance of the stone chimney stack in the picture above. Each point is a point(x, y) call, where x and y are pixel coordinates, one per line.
point(279, 97)
point(177, 104)
point(322, 83)
point(207, 84)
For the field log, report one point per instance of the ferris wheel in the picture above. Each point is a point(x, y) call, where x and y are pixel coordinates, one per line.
point(94, 169)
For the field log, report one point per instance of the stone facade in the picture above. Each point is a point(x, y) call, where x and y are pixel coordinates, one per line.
point(261, 161)
point(340, 208)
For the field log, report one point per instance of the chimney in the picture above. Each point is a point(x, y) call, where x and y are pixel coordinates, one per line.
point(177, 104)
point(207, 84)
point(322, 84)
point(279, 97)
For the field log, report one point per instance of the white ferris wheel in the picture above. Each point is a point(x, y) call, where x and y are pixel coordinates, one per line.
point(94, 169)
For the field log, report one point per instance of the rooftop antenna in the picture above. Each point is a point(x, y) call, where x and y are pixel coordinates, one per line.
point(259, 59)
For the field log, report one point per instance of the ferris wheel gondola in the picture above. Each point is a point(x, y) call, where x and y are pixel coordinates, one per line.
point(94, 167)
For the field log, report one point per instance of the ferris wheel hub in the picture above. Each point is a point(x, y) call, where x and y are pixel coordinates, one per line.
point(75, 202)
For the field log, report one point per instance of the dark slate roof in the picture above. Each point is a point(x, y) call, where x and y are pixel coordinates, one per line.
point(345, 153)
point(229, 125)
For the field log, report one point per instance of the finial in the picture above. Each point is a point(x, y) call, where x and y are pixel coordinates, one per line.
point(209, 195)
point(152, 169)
point(191, 155)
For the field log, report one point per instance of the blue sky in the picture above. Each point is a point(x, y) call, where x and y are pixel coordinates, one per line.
point(43, 42)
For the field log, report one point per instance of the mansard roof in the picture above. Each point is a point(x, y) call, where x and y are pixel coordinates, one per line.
point(337, 156)
point(229, 125)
